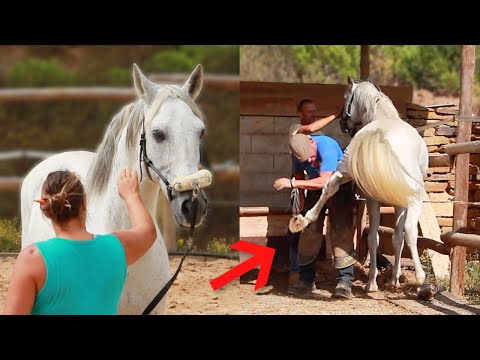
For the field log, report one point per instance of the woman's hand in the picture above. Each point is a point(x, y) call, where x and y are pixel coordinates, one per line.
point(128, 183)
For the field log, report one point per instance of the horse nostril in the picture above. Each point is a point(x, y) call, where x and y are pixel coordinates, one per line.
point(187, 209)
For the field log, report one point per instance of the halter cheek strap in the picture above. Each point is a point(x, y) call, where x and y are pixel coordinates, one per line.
point(144, 158)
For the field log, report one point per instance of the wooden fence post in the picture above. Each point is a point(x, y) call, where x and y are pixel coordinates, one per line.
point(457, 276)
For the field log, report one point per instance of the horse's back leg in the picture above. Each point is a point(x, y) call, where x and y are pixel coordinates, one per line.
point(373, 208)
point(411, 234)
point(397, 239)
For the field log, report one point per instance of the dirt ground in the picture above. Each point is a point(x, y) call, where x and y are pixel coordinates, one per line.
point(192, 294)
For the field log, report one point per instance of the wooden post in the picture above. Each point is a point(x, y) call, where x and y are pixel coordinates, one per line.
point(169, 229)
point(364, 61)
point(457, 277)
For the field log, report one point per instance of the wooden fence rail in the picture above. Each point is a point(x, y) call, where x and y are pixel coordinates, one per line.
point(463, 148)
point(20, 154)
point(216, 82)
point(453, 238)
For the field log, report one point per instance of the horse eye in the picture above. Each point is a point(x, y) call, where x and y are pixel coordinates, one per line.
point(158, 135)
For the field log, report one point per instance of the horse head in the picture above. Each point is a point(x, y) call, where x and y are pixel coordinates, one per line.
point(173, 129)
point(356, 106)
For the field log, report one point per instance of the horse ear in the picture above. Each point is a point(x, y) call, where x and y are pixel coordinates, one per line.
point(371, 78)
point(193, 85)
point(350, 80)
point(144, 87)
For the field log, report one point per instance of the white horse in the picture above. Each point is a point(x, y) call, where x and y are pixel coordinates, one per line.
point(173, 126)
point(388, 160)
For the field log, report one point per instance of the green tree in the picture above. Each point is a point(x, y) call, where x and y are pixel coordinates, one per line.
point(39, 72)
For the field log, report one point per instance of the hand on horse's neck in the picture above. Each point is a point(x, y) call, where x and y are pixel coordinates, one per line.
point(73, 230)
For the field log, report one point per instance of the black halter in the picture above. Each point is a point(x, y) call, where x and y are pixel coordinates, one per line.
point(144, 158)
point(347, 114)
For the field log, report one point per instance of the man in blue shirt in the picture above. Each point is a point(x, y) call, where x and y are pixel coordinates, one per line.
point(314, 160)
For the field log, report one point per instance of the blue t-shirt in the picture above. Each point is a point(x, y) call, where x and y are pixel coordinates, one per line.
point(329, 154)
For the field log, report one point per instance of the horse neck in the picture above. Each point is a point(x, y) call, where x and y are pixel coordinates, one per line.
point(148, 189)
point(386, 110)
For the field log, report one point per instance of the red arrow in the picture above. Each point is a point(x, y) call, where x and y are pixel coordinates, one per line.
point(263, 257)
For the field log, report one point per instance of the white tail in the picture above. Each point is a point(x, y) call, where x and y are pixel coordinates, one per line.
point(377, 170)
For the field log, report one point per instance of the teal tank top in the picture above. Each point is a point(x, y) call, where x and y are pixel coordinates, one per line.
point(83, 277)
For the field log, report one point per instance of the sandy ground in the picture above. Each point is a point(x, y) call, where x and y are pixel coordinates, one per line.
point(192, 294)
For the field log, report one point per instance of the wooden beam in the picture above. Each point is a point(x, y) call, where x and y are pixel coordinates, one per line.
point(457, 277)
point(264, 226)
point(463, 148)
point(262, 211)
point(215, 82)
point(18, 154)
point(453, 238)
point(280, 99)
point(364, 61)
point(10, 183)
point(387, 210)
point(386, 233)
point(71, 93)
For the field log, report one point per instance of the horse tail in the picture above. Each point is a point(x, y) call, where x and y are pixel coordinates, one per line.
point(377, 170)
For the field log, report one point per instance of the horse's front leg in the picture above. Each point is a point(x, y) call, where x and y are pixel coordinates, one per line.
point(397, 239)
point(373, 208)
point(299, 222)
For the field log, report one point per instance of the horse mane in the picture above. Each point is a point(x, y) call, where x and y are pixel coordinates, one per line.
point(366, 98)
point(129, 117)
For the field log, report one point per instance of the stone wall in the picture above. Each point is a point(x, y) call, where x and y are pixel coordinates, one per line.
point(440, 182)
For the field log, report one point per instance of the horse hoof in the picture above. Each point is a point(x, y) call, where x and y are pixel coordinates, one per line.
point(395, 285)
point(371, 288)
point(426, 292)
point(297, 223)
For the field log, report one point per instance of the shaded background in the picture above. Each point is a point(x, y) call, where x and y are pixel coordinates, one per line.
point(60, 125)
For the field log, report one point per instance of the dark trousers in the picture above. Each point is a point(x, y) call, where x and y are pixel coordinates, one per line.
point(342, 209)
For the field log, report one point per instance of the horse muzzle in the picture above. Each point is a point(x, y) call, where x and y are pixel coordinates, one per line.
point(191, 207)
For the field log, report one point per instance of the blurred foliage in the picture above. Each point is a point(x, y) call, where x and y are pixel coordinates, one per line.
point(117, 76)
point(65, 125)
point(327, 64)
point(218, 58)
point(10, 235)
point(220, 246)
point(472, 277)
point(35, 72)
point(433, 67)
point(169, 61)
